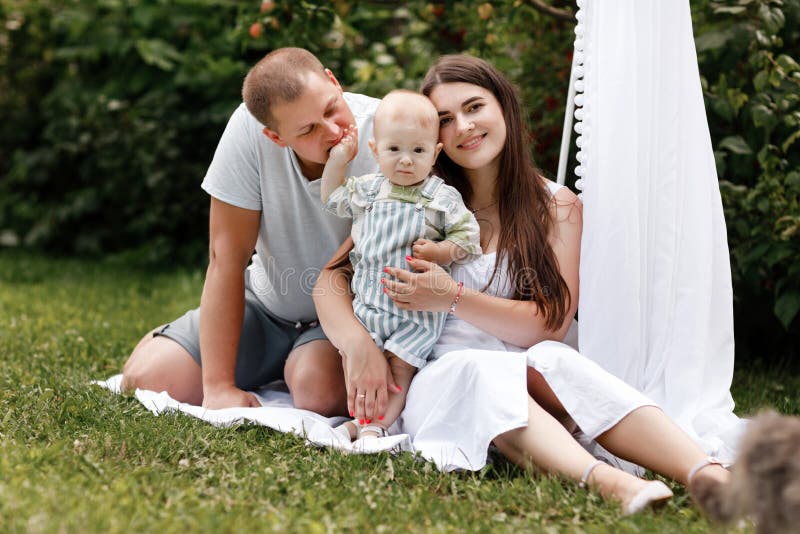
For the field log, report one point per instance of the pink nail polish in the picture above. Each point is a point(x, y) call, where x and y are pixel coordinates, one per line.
point(369, 421)
point(383, 280)
point(360, 421)
point(409, 258)
point(380, 418)
point(386, 269)
point(351, 413)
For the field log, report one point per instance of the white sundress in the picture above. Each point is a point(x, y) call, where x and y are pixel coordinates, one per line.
point(476, 389)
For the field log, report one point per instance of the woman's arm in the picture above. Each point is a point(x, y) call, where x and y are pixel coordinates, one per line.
point(365, 369)
point(513, 321)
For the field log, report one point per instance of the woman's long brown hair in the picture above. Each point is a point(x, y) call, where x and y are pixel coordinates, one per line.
point(524, 202)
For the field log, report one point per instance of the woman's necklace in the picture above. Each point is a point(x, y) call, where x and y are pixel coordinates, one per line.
point(483, 208)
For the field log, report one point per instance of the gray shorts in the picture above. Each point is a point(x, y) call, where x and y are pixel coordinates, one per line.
point(264, 345)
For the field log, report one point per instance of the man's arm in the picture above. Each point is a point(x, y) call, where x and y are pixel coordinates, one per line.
point(233, 233)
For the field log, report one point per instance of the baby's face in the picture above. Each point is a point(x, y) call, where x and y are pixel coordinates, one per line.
point(405, 151)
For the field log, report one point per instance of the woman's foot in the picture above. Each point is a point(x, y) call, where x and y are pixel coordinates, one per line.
point(706, 483)
point(652, 494)
point(634, 494)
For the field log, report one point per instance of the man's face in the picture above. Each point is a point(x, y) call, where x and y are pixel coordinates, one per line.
point(313, 123)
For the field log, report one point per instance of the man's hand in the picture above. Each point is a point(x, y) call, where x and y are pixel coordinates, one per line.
point(229, 397)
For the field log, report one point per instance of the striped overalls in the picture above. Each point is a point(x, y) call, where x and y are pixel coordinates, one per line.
point(390, 227)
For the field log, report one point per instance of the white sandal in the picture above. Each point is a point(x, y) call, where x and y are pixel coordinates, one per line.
point(652, 494)
point(588, 472)
point(344, 432)
point(705, 492)
point(379, 432)
point(709, 460)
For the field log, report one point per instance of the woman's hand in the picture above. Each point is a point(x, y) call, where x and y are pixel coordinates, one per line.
point(367, 376)
point(430, 288)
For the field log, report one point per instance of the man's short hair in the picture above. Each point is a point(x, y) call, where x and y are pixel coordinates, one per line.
point(278, 78)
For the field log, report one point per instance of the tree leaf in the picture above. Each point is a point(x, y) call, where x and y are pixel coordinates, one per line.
point(712, 40)
point(790, 140)
point(761, 80)
point(731, 10)
point(773, 18)
point(763, 116)
point(787, 63)
point(735, 144)
point(786, 307)
point(158, 53)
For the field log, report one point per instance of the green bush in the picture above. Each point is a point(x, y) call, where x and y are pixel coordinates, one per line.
point(118, 108)
point(113, 108)
point(752, 86)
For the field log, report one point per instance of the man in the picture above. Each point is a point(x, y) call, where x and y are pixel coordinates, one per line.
point(256, 324)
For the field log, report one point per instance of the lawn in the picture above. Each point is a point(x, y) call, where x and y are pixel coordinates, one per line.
point(75, 458)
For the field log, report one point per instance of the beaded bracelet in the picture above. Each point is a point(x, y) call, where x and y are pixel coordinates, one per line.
point(452, 309)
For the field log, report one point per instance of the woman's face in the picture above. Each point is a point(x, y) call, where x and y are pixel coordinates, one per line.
point(471, 124)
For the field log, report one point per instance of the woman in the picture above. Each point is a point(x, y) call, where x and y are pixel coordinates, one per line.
point(522, 293)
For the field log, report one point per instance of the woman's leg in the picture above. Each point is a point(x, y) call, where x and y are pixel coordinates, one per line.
point(546, 444)
point(546, 398)
point(648, 437)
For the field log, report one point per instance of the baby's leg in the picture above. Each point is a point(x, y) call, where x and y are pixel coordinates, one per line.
point(403, 373)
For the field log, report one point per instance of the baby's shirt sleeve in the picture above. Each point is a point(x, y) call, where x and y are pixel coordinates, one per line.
point(340, 203)
point(460, 225)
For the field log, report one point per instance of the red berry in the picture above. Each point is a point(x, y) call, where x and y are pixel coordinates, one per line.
point(256, 30)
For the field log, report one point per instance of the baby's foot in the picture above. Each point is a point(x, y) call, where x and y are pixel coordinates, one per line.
point(373, 431)
point(348, 430)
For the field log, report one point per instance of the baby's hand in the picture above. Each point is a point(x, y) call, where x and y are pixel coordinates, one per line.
point(425, 249)
point(347, 147)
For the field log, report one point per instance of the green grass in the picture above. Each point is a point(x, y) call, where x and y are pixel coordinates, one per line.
point(75, 458)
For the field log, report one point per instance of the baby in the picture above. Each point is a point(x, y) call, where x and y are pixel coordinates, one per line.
point(401, 206)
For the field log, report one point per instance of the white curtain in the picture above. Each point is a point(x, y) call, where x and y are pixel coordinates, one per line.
point(655, 291)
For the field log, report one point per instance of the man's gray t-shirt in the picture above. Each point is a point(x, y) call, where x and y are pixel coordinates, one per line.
point(297, 237)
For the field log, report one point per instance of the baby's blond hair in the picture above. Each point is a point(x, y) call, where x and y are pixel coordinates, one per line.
point(405, 103)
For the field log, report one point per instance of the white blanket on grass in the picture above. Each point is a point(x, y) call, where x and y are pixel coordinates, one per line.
point(455, 406)
point(276, 412)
